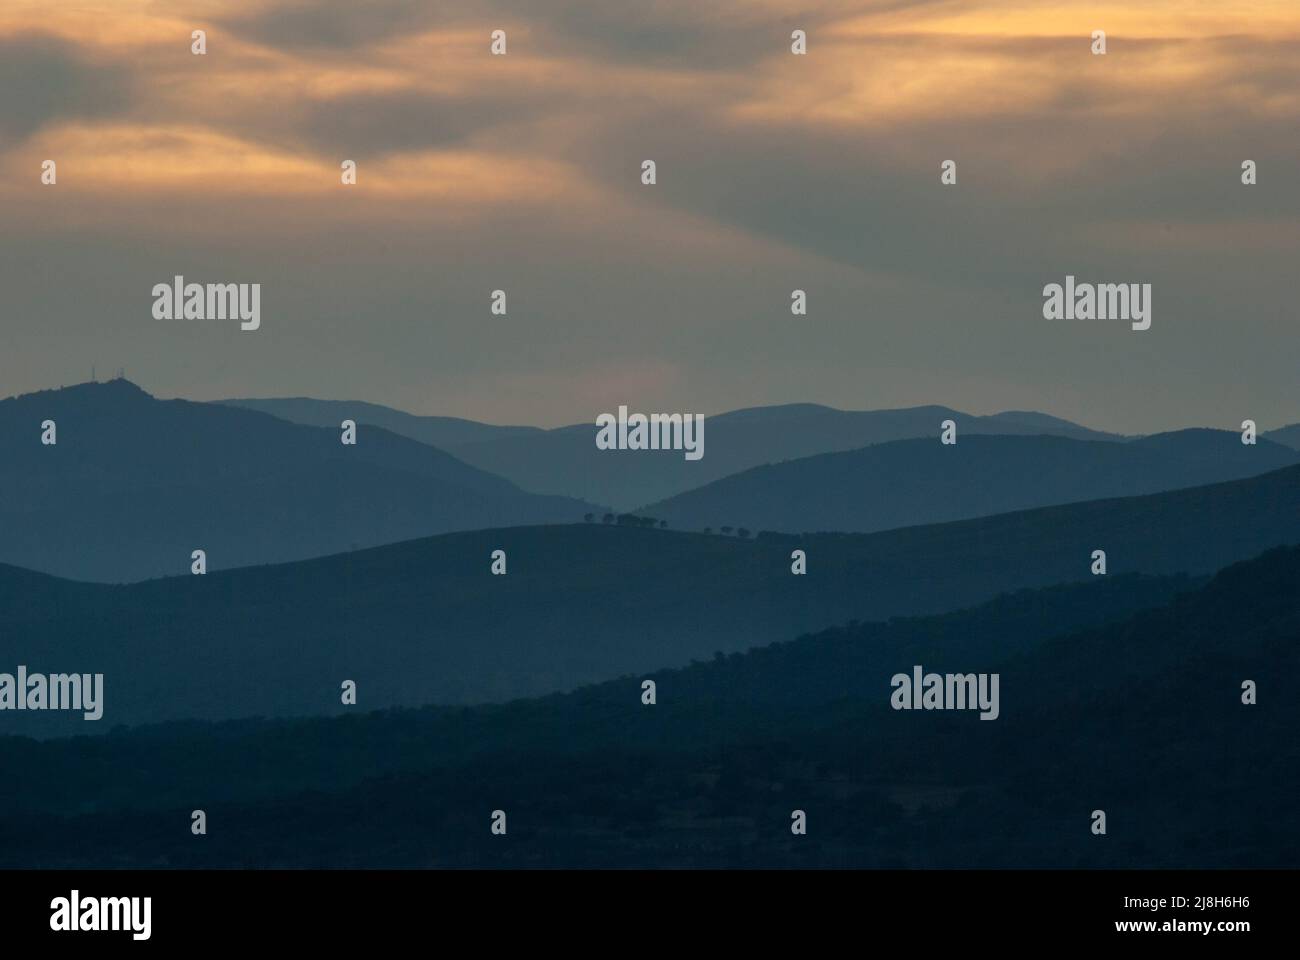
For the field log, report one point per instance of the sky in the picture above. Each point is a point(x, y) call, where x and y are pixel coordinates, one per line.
point(775, 172)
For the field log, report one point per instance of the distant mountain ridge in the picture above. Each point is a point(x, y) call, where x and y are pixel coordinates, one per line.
point(565, 460)
point(134, 484)
point(908, 482)
point(441, 432)
point(1287, 436)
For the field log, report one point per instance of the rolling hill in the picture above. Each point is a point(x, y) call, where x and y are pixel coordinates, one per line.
point(425, 621)
point(909, 482)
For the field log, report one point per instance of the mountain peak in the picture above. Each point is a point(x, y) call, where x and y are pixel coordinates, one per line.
point(118, 388)
point(118, 385)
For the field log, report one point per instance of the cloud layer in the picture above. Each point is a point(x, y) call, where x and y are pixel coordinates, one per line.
point(775, 171)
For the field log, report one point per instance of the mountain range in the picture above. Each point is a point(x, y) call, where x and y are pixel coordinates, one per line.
point(565, 462)
point(135, 484)
point(499, 645)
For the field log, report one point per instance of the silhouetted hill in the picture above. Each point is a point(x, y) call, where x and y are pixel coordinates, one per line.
point(565, 461)
point(426, 622)
point(135, 484)
point(709, 703)
point(1122, 695)
point(441, 432)
point(910, 482)
point(1287, 436)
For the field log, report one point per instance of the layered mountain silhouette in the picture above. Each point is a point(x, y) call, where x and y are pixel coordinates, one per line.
point(565, 461)
point(425, 621)
point(920, 481)
point(441, 432)
point(1123, 695)
point(814, 670)
point(135, 484)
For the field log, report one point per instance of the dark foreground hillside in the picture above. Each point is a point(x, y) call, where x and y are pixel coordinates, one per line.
point(1103, 706)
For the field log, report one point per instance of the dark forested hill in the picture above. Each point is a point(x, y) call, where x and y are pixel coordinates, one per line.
point(1124, 696)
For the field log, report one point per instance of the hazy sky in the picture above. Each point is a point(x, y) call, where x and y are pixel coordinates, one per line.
point(775, 172)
